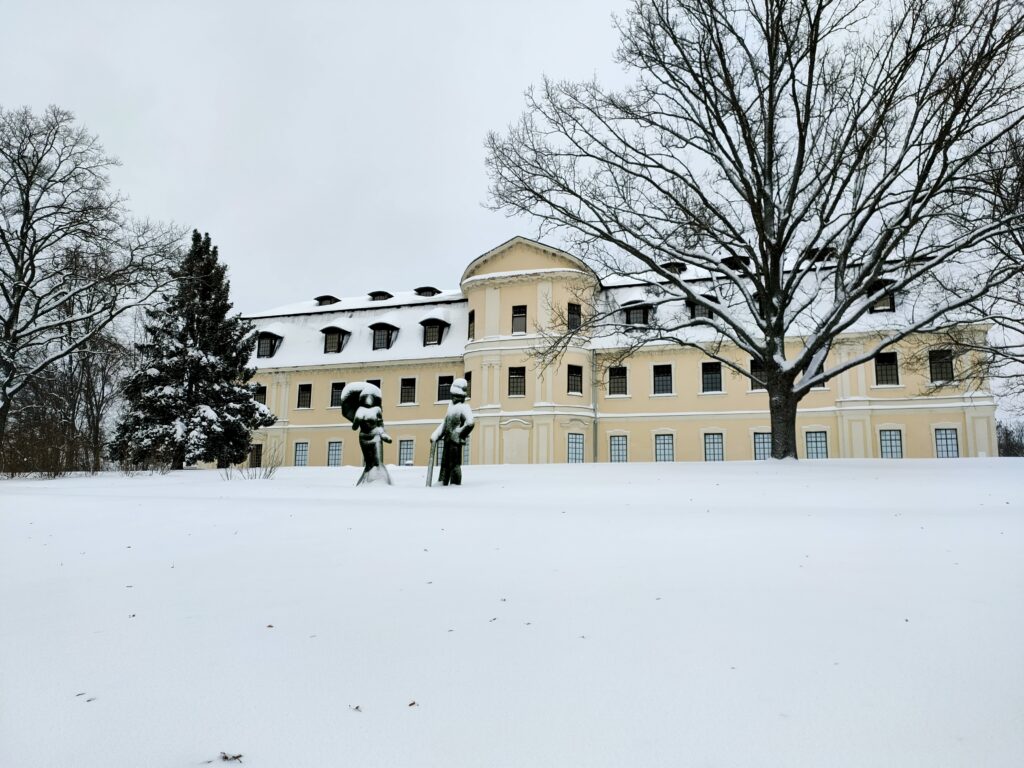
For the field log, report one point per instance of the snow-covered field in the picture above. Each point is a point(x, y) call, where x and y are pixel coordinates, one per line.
point(818, 614)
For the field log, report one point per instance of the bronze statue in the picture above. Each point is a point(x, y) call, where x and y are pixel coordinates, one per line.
point(455, 429)
point(361, 404)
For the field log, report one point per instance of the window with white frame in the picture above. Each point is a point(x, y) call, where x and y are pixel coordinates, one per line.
point(714, 446)
point(337, 388)
point(516, 381)
point(260, 394)
point(407, 391)
point(617, 380)
point(946, 444)
point(887, 370)
point(940, 365)
point(575, 448)
point(444, 387)
point(618, 448)
point(762, 446)
point(465, 451)
point(711, 377)
point(305, 396)
point(664, 448)
point(405, 448)
point(575, 376)
point(756, 374)
point(891, 443)
point(301, 454)
point(519, 318)
point(574, 317)
point(663, 379)
point(816, 445)
point(334, 453)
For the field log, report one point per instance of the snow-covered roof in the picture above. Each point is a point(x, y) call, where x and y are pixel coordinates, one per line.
point(399, 299)
point(303, 340)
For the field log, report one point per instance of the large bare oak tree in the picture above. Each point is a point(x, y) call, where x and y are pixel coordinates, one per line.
point(801, 160)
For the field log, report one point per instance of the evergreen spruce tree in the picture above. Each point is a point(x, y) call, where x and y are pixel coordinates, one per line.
point(190, 399)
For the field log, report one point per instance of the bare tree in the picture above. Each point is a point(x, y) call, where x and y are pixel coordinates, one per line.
point(71, 259)
point(778, 168)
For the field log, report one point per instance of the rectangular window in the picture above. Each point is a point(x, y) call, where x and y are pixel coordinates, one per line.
point(946, 445)
point(472, 325)
point(617, 380)
point(891, 443)
point(468, 376)
point(405, 448)
point(711, 377)
point(301, 454)
point(575, 379)
point(762, 446)
point(575, 448)
point(698, 311)
point(337, 387)
point(256, 456)
point(637, 315)
point(617, 448)
point(885, 304)
point(886, 368)
point(431, 334)
point(519, 318)
point(465, 451)
point(664, 448)
point(756, 372)
point(375, 382)
point(444, 387)
point(260, 394)
point(714, 446)
point(381, 338)
point(574, 317)
point(332, 341)
point(940, 365)
point(266, 346)
point(663, 379)
point(516, 382)
point(817, 445)
point(305, 399)
point(407, 391)
point(334, 453)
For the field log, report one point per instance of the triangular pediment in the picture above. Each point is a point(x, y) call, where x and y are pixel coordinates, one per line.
point(522, 255)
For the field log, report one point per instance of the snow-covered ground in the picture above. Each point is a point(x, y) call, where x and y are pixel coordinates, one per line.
point(819, 614)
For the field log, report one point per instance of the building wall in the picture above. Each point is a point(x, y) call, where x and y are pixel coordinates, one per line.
point(850, 409)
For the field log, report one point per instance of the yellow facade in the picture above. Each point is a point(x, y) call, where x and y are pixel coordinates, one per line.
point(853, 416)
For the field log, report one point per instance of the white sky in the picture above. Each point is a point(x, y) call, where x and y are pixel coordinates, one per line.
point(328, 147)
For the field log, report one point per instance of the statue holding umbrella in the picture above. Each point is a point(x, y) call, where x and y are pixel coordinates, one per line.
point(361, 404)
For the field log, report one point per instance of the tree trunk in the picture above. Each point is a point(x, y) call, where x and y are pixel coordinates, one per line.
point(5, 410)
point(782, 406)
point(178, 460)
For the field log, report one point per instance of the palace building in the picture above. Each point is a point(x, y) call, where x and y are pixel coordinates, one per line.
point(662, 402)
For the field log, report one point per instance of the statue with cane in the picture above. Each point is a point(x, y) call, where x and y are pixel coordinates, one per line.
point(452, 433)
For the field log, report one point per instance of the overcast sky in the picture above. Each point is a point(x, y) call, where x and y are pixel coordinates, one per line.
point(328, 147)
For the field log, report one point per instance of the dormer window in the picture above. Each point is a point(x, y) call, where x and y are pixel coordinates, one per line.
point(427, 290)
point(433, 331)
point(267, 344)
point(326, 299)
point(818, 255)
point(699, 310)
point(736, 263)
point(380, 295)
point(887, 302)
point(334, 339)
point(637, 313)
point(384, 335)
point(673, 267)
